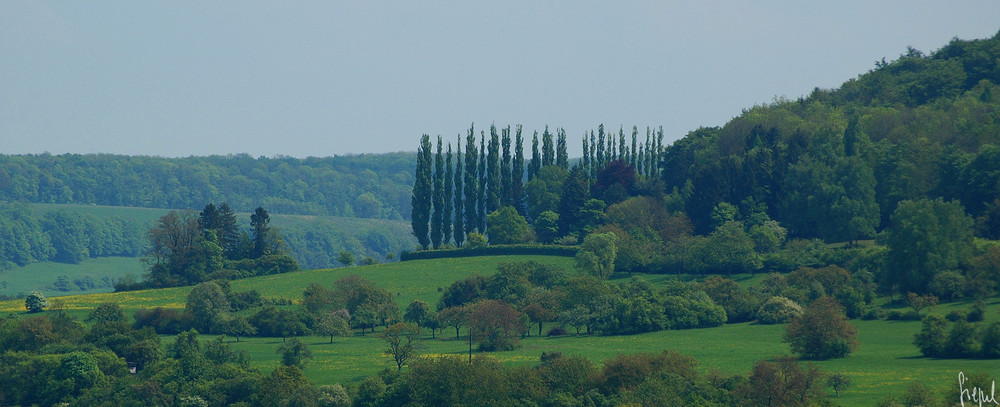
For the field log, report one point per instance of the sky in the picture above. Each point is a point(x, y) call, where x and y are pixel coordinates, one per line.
point(180, 78)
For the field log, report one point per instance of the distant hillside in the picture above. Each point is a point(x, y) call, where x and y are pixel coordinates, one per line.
point(836, 163)
point(364, 186)
point(34, 233)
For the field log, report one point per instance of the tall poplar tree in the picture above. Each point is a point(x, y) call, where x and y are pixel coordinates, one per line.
point(593, 159)
point(493, 172)
point(632, 152)
point(481, 199)
point(420, 200)
point(548, 150)
point(471, 182)
point(601, 157)
point(505, 196)
point(536, 159)
point(449, 176)
point(459, 202)
point(562, 156)
point(517, 173)
point(437, 197)
point(622, 149)
point(585, 161)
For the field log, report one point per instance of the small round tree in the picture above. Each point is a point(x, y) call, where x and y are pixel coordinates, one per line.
point(35, 302)
point(822, 331)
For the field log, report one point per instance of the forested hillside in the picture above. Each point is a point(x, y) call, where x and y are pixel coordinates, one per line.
point(835, 164)
point(364, 186)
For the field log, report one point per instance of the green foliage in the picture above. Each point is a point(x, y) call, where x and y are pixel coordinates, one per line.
point(36, 302)
point(294, 353)
point(207, 306)
point(777, 310)
point(546, 227)
point(475, 240)
point(346, 258)
point(506, 226)
point(400, 338)
point(420, 202)
point(822, 331)
point(597, 254)
point(924, 238)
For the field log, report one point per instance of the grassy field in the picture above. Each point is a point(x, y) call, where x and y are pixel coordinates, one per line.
point(41, 276)
point(886, 362)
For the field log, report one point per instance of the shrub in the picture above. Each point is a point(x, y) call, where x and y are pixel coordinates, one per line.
point(35, 302)
point(778, 310)
point(822, 331)
point(956, 315)
point(977, 313)
point(874, 314)
point(557, 331)
point(932, 336)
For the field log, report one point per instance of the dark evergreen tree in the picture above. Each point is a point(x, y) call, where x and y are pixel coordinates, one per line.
point(632, 153)
point(437, 197)
point(548, 150)
point(259, 221)
point(228, 232)
point(505, 195)
point(449, 179)
point(459, 204)
point(601, 158)
point(420, 201)
point(574, 196)
point(536, 159)
point(622, 150)
point(483, 176)
point(493, 182)
point(517, 173)
point(562, 156)
point(585, 159)
point(592, 170)
point(471, 182)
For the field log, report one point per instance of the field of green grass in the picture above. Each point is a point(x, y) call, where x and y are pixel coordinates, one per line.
point(41, 276)
point(886, 363)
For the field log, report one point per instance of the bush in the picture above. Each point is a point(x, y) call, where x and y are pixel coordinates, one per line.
point(896, 315)
point(35, 302)
point(500, 250)
point(874, 314)
point(956, 315)
point(822, 331)
point(557, 331)
point(932, 336)
point(977, 313)
point(778, 310)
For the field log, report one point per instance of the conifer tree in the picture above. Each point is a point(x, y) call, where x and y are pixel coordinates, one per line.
point(517, 173)
point(449, 176)
point(593, 159)
point(601, 157)
point(459, 202)
point(622, 150)
point(536, 159)
point(548, 150)
point(658, 150)
point(571, 201)
point(481, 199)
point(471, 182)
point(437, 197)
point(632, 152)
point(505, 175)
point(493, 172)
point(585, 160)
point(647, 160)
point(562, 157)
point(420, 200)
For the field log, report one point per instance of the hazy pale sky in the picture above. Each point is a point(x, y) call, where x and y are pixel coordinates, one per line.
point(176, 78)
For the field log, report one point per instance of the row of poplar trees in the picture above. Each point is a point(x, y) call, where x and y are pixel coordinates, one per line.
point(453, 194)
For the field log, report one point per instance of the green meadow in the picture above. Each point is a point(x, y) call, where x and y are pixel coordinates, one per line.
point(886, 363)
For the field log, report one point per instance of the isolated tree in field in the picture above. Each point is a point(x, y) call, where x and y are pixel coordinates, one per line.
point(420, 200)
point(400, 338)
point(455, 317)
point(919, 302)
point(459, 208)
point(417, 312)
point(35, 302)
point(822, 331)
point(838, 382)
point(238, 326)
point(925, 237)
point(294, 353)
point(333, 324)
point(506, 226)
point(471, 203)
point(437, 198)
point(495, 325)
point(597, 254)
point(346, 258)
